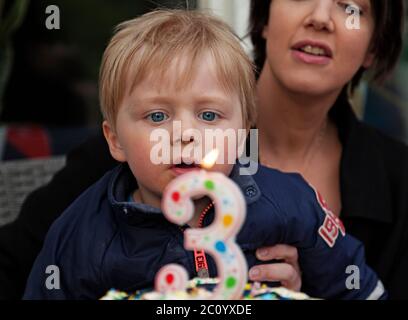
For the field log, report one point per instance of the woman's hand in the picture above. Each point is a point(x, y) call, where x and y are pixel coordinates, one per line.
point(286, 271)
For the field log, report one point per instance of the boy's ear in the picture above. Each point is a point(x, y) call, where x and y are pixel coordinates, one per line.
point(115, 147)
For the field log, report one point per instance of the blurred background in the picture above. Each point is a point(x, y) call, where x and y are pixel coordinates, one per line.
point(48, 83)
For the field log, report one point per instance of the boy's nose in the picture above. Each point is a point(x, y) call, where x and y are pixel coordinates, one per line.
point(185, 132)
point(320, 16)
point(187, 138)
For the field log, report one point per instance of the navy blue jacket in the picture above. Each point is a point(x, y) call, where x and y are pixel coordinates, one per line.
point(103, 241)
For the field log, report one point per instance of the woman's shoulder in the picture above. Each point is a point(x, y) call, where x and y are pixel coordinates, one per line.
point(385, 140)
point(374, 174)
point(372, 142)
point(363, 144)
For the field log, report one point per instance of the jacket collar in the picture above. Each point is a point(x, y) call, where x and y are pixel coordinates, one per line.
point(123, 183)
point(365, 189)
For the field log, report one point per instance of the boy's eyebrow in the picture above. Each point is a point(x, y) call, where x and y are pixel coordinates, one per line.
point(214, 99)
point(168, 99)
point(153, 98)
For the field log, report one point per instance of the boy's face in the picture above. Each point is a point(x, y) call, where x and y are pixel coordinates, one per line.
point(155, 104)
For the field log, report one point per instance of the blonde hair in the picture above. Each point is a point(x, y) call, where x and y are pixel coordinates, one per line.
point(150, 43)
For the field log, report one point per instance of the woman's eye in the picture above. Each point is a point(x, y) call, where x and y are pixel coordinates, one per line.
point(208, 116)
point(351, 8)
point(157, 117)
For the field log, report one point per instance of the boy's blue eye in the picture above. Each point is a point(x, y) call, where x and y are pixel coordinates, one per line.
point(157, 116)
point(208, 116)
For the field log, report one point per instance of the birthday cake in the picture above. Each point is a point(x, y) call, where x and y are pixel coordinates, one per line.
point(201, 289)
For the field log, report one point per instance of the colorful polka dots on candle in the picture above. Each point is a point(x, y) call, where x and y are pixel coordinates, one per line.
point(227, 220)
point(220, 247)
point(209, 185)
point(175, 196)
point(230, 282)
point(171, 277)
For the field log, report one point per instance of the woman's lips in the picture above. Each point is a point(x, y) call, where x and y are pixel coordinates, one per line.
point(310, 58)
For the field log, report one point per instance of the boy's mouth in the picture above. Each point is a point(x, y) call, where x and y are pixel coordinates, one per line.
point(184, 168)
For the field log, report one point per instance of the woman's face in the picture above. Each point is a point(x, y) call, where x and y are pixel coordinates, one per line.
point(311, 48)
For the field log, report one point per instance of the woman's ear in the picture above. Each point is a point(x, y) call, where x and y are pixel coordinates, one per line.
point(265, 32)
point(115, 147)
point(369, 60)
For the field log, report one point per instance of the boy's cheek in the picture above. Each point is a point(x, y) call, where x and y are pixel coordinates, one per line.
point(154, 177)
point(226, 169)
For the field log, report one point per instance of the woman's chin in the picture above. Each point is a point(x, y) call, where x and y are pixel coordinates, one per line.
point(312, 87)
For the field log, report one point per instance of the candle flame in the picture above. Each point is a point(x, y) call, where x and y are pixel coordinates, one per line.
point(210, 159)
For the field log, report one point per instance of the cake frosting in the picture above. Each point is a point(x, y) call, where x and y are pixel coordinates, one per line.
point(200, 289)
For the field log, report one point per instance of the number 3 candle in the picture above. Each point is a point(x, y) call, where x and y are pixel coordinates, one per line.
point(218, 239)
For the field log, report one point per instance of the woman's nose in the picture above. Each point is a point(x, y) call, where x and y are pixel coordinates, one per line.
point(320, 17)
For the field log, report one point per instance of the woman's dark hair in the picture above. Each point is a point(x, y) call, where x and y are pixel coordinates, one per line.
point(386, 42)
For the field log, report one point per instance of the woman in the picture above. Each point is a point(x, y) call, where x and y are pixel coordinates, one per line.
point(308, 60)
point(305, 125)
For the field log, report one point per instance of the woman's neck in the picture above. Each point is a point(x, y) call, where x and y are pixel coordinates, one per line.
point(296, 135)
point(290, 123)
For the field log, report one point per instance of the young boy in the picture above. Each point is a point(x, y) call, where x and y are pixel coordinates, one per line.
point(163, 67)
